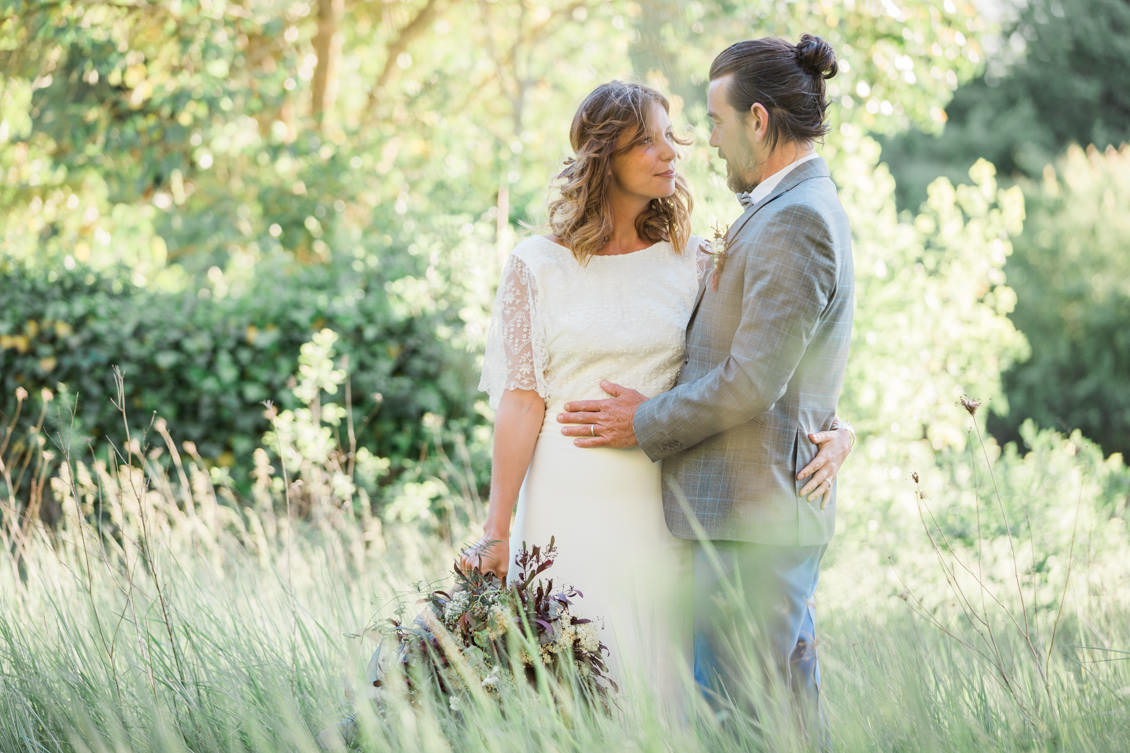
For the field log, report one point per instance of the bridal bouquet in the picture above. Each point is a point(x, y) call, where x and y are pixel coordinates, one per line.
point(483, 634)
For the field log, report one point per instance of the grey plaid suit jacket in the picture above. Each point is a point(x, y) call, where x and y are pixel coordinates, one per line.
point(765, 358)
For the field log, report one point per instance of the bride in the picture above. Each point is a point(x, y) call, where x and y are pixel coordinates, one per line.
point(606, 296)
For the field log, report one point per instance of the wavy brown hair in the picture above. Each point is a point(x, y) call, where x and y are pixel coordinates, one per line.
point(581, 216)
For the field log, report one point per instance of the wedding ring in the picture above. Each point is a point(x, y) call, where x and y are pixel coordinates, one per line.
point(592, 429)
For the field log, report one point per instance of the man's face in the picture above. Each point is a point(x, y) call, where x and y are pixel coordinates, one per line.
point(733, 137)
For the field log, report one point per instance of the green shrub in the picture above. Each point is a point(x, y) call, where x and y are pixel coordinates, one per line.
point(207, 363)
point(1069, 269)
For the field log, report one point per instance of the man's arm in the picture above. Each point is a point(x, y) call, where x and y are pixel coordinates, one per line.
point(788, 285)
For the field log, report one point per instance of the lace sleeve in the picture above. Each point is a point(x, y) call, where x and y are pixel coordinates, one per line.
point(515, 352)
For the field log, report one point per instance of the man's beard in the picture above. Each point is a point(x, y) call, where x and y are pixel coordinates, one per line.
point(739, 169)
point(737, 183)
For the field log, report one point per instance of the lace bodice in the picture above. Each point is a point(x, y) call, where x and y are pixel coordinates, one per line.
point(560, 328)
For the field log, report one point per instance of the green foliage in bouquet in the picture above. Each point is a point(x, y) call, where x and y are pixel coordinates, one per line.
point(485, 636)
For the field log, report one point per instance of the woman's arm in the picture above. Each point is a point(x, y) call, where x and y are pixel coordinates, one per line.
point(516, 427)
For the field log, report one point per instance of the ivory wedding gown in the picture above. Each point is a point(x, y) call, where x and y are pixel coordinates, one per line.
point(560, 328)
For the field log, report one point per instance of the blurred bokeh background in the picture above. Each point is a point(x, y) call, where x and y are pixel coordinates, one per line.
point(192, 188)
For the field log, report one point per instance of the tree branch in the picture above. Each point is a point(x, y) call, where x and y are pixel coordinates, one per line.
point(404, 37)
point(506, 62)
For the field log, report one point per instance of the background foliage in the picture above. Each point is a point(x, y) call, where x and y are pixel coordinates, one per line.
point(1071, 267)
point(193, 188)
point(1050, 79)
point(1051, 84)
point(221, 179)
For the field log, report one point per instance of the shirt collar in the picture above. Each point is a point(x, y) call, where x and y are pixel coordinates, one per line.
point(762, 190)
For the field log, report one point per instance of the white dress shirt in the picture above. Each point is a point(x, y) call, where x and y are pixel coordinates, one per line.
point(765, 187)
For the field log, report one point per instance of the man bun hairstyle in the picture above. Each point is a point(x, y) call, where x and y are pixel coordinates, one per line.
point(815, 56)
point(788, 81)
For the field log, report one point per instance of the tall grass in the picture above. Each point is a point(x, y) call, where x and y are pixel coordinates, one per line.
point(156, 616)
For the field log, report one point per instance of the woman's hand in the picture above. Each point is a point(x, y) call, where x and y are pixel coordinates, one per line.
point(487, 555)
point(835, 445)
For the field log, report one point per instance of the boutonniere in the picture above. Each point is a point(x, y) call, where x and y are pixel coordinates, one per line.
point(718, 251)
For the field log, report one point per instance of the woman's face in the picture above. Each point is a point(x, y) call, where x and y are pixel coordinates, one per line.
point(647, 170)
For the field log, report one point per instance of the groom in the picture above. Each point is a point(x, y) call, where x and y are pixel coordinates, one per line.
point(766, 347)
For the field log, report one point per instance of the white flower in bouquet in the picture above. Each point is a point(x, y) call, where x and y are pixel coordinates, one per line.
point(567, 638)
point(498, 622)
point(589, 636)
point(455, 608)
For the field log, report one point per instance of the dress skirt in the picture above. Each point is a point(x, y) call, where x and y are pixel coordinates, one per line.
point(604, 509)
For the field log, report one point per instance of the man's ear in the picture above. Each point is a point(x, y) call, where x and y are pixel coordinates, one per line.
point(758, 120)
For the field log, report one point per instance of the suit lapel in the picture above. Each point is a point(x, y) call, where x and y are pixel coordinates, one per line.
point(816, 168)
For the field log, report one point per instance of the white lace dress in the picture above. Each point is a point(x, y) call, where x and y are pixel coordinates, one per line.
point(560, 328)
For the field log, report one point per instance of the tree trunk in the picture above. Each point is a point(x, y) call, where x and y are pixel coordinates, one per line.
point(327, 47)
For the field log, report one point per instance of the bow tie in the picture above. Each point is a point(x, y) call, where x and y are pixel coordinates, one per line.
point(745, 199)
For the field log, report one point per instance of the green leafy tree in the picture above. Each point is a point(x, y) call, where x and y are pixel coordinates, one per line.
point(1057, 78)
point(899, 61)
point(1071, 265)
